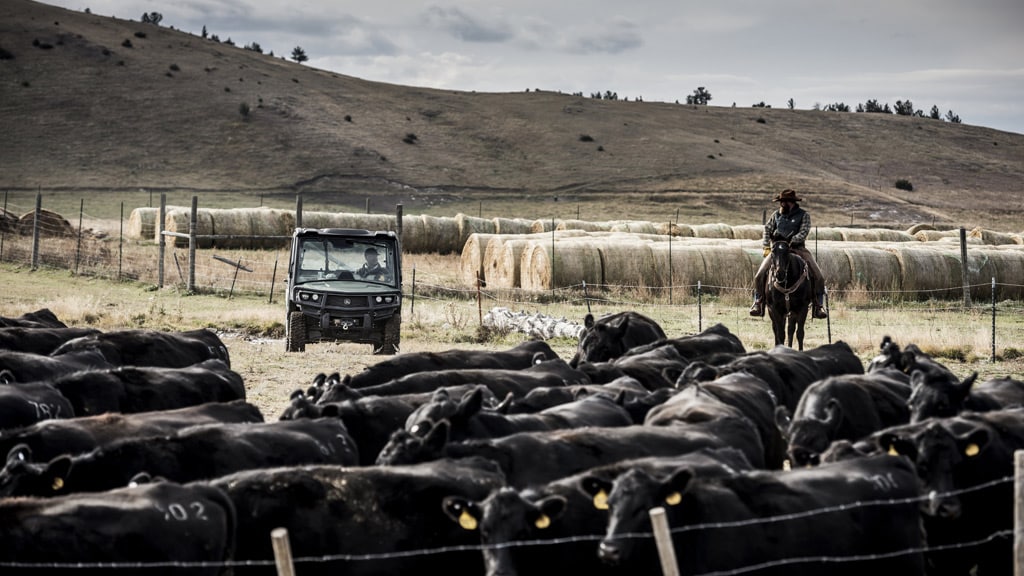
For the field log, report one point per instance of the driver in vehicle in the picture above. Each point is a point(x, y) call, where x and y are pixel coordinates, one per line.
point(372, 269)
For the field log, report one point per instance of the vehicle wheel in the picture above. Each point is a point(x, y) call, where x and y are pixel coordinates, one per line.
point(392, 336)
point(295, 339)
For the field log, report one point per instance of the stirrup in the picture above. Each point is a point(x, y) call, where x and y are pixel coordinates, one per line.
point(819, 313)
point(757, 309)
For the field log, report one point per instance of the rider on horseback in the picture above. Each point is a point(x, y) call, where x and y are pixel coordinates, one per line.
point(790, 223)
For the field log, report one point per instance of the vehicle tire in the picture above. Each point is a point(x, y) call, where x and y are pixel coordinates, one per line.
point(392, 336)
point(295, 339)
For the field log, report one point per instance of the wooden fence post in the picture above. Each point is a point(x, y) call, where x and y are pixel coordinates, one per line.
point(282, 552)
point(963, 268)
point(161, 240)
point(35, 231)
point(663, 538)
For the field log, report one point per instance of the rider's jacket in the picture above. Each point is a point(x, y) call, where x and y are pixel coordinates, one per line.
point(792, 227)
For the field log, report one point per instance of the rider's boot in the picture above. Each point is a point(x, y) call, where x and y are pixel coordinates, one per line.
point(819, 307)
point(757, 309)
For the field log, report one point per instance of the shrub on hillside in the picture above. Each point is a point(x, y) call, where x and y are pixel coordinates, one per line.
point(904, 184)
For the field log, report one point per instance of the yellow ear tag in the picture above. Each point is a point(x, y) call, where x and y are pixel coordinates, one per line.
point(892, 450)
point(601, 500)
point(972, 450)
point(58, 483)
point(673, 498)
point(542, 522)
point(467, 521)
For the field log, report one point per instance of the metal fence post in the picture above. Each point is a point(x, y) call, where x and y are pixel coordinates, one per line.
point(161, 241)
point(993, 318)
point(1018, 513)
point(963, 267)
point(78, 246)
point(192, 225)
point(35, 231)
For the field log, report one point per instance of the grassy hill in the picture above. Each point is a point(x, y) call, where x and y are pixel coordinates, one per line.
point(93, 104)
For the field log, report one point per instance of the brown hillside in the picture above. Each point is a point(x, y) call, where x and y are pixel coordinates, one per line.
point(82, 111)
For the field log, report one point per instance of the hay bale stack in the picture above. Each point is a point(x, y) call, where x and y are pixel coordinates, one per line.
point(503, 262)
point(935, 235)
point(584, 225)
point(679, 265)
point(889, 235)
point(471, 261)
point(834, 265)
point(321, 220)
point(667, 229)
point(628, 262)
point(991, 237)
point(634, 226)
point(441, 234)
point(512, 225)
point(178, 221)
point(414, 236)
point(859, 235)
point(826, 233)
point(50, 224)
point(728, 266)
point(748, 232)
point(142, 222)
point(271, 227)
point(468, 225)
point(925, 273)
point(712, 230)
point(574, 262)
point(543, 225)
point(913, 230)
point(1009, 268)
point(873, 268)
point(236, 223)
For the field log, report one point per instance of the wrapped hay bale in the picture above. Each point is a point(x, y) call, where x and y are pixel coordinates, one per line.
point(748, 232)
point(50, 224)
point(471, 261)
point(574, 262)
point(674, 229)
point(728, 266)
point(712, 230)
point(628, 262)
point(679, 265)
point(512, 225)
point(825, 233)
point(583, 225)
point(991, 237)
point(503, 262)
point(469, 225)
point(178, 221)
point(874, 269)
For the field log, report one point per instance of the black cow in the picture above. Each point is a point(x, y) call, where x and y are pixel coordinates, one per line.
point(197, 452)
point(611, 335)
point(570, 510)
point(42, 318)
point(847, 407)
point(545, 397)
point(370, 420)
point(130, 389)
point(835, 359)
point(738, 394)
point(529, 458)
point(713, 341)
point(149, 529)
point(142, 347)
point(863, 510)
point(657, 367)
point(966, 466)
point(372, 520)
point(468, 418)
point(39, 340)
point(25, 404)
point(522, 355)
point(907, 360)
point(52, 438)
point(940, 394)
point(28, 367)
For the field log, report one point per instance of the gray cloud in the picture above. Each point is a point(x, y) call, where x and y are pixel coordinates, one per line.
point(462, 26)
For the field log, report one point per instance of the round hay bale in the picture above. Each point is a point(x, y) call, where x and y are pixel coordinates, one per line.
point(674, 229)
point(574, 262)
point(271, 227)
point(826, 233)
point(712, 230)
point(679, 265)
point(543, 225)
point(178, 221)
point(512, 225)
point(441, 234)
point(414, 235)
point(468, 225)
point(991, 237)
point(583, 225)
point(503, 262)
point(236, 223)
point(635, 226)
point(728, 267)
point(859, 235)
point(913, 230)
point(934, 235)
point(1009, 268)
point(834, 265)
point(141, 223)
point(889, 235)
point(50, 224)
point(748, 232)
point(924, 273)
point(954, 239)
point(981, 269)
point(628, 262)
point(874, 269)
point(471, 261)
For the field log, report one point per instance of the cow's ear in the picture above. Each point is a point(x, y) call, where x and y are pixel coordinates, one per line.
point(437, 436)
point(783, 420)
point(917, 379)
point(974, 442)
point(57, 472)
point(968, 382)
point(895, 445)
point(7, 377)
point(833, 413)
point(325, 411)
point(472, 403)
point(20, 454)
point(672, 374)
point(588, 321)
point(548, 509)
point(539, 358)
point(297, 394)
point(907, 361)
point(676, 484)
point(462, 511)
point(319, 379)
point(597, 489)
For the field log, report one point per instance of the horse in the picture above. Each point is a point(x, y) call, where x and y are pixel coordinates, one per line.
point(788, 294)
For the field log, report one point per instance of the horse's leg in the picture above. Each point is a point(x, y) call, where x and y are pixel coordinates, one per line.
point(801, 319)
point(778, 326)
point(790, 327)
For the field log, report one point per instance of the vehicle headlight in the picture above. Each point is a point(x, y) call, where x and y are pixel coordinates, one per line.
point(316, 297)
point(379, 299)
point(303, 296)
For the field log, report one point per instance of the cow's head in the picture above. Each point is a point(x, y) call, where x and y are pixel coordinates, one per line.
point(811, 436)
point(937, 393)
point(23, 477)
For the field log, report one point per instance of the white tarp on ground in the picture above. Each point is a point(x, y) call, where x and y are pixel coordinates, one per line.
point(534, 324)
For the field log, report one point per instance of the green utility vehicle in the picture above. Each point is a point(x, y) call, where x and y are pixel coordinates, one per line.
point(344, 285)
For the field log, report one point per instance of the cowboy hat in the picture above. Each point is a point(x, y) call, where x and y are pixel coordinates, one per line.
point(787, 194)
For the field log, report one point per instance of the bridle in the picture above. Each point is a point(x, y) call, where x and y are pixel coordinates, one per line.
point(780, 272)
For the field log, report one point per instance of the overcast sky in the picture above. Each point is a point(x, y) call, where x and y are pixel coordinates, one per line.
point(963, 56)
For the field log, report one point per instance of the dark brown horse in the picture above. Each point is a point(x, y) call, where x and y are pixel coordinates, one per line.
point(788, 294)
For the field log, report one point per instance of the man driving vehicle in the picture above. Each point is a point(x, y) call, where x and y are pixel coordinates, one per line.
point(372, 268)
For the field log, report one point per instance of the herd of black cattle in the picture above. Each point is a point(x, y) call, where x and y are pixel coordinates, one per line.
point(137, 449)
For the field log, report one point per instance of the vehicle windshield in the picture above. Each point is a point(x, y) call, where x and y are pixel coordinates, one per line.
point(346, 259)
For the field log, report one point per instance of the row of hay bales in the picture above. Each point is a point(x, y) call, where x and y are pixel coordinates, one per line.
point(909, 270)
